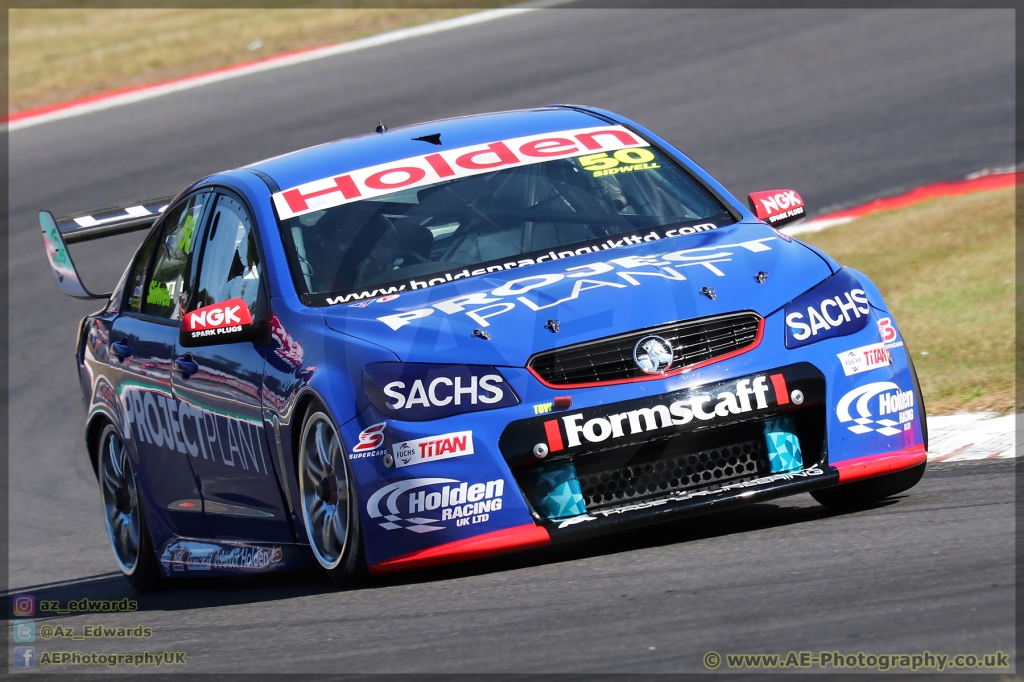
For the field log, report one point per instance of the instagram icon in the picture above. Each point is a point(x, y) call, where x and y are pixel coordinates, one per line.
point(24, 605)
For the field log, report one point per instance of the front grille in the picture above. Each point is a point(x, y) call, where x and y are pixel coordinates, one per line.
point(702, 470)
point(611, 358)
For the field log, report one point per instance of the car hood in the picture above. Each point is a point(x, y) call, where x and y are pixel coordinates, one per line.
point(592, 295)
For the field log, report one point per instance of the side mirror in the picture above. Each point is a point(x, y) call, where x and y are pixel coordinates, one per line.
point(777, 207)
point(226, 322)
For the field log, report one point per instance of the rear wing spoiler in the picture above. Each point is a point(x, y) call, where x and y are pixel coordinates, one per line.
point(59, 232)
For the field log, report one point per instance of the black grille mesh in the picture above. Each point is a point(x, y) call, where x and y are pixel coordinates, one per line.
point(694, 471)
point(611, 358)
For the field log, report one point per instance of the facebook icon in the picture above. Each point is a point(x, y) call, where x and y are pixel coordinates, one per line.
point(24, 656)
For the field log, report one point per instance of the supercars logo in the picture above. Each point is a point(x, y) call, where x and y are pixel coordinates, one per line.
point(891, 401)
point(219, 318)
point(446, 446)
point(864, 358)
point(370, 438)
point(889, 334)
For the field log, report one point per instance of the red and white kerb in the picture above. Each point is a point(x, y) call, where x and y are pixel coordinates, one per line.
point(418, 171)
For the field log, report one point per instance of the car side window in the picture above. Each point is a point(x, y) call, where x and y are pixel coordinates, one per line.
point(166, 291)
point(230, 264)
point(137, 277)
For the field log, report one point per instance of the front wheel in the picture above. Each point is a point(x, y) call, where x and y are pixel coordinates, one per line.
point(866, 492)
point(329, 507)
point(122, 511)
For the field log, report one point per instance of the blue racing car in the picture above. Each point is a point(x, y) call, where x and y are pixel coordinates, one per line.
point(467, 337)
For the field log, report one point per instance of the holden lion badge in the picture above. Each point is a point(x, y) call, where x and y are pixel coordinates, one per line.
point(653, 355)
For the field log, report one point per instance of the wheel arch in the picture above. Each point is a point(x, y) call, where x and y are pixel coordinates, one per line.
point(93, 428)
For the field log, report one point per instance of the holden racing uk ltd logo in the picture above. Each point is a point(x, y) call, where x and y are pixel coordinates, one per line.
point(894, 409)
point(836, 307)
point(414, 504)
point(653, 355)
point(864, 358)
point(434, 448)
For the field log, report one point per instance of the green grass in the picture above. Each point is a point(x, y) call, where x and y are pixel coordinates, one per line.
point(58, 55)
point(946, 269)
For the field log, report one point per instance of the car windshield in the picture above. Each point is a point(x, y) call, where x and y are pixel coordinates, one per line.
point(508, 218)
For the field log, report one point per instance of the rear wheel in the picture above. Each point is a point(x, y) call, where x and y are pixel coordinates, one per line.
point(329, 506)
point(868, 491)
point(122, 512)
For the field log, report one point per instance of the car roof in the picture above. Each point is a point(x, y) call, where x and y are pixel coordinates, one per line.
point(342, 156)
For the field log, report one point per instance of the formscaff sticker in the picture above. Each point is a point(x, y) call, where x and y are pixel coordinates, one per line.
point(419, 171)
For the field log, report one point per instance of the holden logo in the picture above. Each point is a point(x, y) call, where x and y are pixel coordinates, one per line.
point(653, 355)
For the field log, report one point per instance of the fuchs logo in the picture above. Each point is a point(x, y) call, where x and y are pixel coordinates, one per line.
point(745, 396)
point(426, 498)
point(837, 307)
point(217, 316)
point(370, 438)
point(653, 355)
point(891, 401)
point(431, 449)
point(864, 358)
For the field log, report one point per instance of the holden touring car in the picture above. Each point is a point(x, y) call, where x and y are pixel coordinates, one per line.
point(466, 337)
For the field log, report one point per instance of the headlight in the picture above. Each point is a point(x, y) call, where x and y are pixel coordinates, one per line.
point(420, 391)
point(836, 307)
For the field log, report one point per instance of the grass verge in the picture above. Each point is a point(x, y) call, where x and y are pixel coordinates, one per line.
point(58, 55)
point(946, 269)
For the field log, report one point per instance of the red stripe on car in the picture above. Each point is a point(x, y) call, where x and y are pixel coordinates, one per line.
point(554, 435)
point(781, 392)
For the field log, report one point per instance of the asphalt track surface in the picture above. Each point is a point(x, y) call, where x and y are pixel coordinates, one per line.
point(842, 105)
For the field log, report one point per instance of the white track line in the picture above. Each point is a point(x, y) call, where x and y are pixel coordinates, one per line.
point(199, 80)
point(972, 436)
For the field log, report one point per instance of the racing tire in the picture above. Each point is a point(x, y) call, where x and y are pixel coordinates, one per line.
point(867, 492)
point(330, 508)
point(125, 521)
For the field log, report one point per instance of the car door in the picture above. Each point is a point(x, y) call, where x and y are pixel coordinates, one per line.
point(218, 380)
point(142, 343)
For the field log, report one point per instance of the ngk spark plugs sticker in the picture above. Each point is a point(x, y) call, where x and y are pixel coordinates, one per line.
point(880, 407)
point(864, 358)
point(228, 317)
